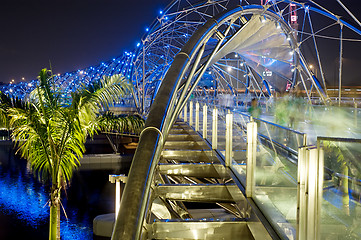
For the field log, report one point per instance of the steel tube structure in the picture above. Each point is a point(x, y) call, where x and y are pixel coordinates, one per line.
point(213, 40)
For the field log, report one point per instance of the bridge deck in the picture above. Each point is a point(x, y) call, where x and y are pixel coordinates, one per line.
point(195, 197)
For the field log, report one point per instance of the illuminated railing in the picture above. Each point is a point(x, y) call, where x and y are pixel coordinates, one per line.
point(340, 202)
point(266, 165)
point(305, 192)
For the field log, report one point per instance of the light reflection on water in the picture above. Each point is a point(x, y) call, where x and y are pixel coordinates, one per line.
point(26, 199)
point(21, 198)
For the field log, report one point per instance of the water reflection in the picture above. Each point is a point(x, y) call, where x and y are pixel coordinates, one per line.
point(24, 201)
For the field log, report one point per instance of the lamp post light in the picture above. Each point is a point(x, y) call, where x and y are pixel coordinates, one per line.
point(314, 70)
point(117, 179)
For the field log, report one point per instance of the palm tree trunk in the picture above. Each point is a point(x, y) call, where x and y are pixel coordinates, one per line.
point(54, 224)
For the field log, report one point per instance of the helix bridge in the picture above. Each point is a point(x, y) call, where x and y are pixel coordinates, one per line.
point(204, 167)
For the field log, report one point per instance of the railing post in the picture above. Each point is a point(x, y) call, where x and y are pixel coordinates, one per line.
point(301, 193)
point(251, 157)
point(190, 113)
point(197, 117)
point(185, 113)
point(117, 179)
point(310, 188)
point(214, 128)
point(229, 136)
point(205, 127)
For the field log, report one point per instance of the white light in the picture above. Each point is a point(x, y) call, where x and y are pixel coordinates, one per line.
point(288, 38)
point(291, 52)
point(241, 64)
point(236, 55)
point(11, 90)
point(209, 72)
point(263, 19)
point(229, 69)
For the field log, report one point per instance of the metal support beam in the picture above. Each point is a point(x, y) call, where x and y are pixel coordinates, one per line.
point(197, 117)
point(229, 136)
point(251, 157)
point(214, 128)
point(310, 188)
point(205, 127)
point(191, 113)
point(340, 67)
point(185, 114)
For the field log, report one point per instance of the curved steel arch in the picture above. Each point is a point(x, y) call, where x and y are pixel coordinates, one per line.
point(180, 80)
point(151, 59)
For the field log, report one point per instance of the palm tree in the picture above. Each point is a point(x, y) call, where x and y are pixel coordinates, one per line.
point(51, 132)
point(6, 103)
point(115, 127)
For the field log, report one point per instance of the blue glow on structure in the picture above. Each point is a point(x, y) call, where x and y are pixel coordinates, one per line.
point(25, 198)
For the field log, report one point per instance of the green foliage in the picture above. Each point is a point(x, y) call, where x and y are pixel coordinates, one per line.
point(7, 102)
point(121, 124)
point(52, 135)
point(50, 132)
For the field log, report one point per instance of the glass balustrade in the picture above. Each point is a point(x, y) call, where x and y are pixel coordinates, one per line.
point(304, 191)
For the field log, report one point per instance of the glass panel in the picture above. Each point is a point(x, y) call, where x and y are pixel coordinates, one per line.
point(221, 136)
point(239, 145)
point(276, 185)
point(341, 205)
point(281, 136)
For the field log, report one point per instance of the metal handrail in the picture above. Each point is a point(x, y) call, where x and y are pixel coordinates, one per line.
point(133, 205)
point(166, 106)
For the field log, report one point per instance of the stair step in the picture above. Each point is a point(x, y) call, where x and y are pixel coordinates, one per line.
point(184, 137)
point(190, 155)
point(207, 193)
point(200, 170)
point(185, 145)
point(210, 230)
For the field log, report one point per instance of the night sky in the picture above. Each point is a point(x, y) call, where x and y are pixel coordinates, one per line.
point(74, 34)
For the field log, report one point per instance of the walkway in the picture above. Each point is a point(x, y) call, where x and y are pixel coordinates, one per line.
point(195, 196)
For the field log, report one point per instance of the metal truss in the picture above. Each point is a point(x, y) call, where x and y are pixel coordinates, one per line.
point(275, 51)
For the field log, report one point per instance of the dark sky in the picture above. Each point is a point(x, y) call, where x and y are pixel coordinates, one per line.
point(72, 34)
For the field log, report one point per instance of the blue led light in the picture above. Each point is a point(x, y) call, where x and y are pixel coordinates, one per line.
point(23, 197)
point(147, 29)
point(160, 12)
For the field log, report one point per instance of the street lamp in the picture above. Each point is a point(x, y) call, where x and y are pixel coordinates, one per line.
point(313, 70)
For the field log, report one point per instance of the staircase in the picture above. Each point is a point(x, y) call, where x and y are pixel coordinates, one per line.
point(194, 196)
